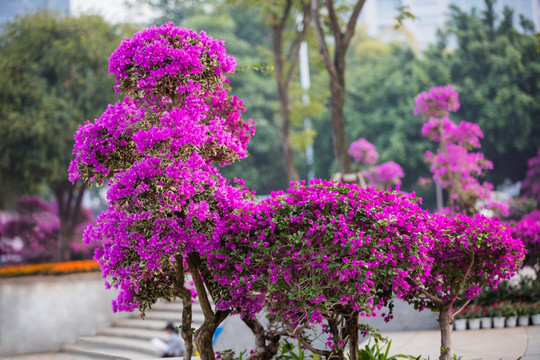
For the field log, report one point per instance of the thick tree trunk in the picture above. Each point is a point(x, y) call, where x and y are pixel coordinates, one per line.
point(266, 344)
point(187, 314)
point(69, 201)
point(446, 319)
point(204, 334)
point(352, 327)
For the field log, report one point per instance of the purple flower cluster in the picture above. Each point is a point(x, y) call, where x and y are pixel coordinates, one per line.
point(528, 230)
point(380, 176)
point(363, 152)
point(169, 59)
point(384, 175)
point(437, 102)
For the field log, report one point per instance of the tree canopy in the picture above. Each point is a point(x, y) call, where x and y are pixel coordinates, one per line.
point(54, 75)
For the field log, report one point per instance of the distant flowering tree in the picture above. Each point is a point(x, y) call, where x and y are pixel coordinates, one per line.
point(531, 184)
point(528, 230)
point(469, 252)
point(453, 166)
point(324, 254)
point(156, 148)
point(380, 176)
point(29, 232)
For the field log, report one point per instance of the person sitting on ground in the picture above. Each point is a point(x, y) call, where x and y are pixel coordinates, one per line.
point(175, 345)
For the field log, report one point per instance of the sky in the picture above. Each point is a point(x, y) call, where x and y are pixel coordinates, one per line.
point(112, 10)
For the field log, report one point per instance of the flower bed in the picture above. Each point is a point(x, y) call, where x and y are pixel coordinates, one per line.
point(501, 314)
point(49, 268)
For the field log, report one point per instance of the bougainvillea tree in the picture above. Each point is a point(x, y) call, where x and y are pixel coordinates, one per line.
point(453, 166)
point(380, 176)
point(324, 254)
point(156, 148)
point(469, 252)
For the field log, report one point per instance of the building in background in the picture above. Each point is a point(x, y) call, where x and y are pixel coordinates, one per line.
point(9, 9)
point(379, 15)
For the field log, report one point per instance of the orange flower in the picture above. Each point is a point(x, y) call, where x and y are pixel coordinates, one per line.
point(49, 268)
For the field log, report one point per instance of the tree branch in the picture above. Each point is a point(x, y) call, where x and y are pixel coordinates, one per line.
point(349, 32)
point(294, 52)
point(199, 286)
point(334, 22)
point(323, 48)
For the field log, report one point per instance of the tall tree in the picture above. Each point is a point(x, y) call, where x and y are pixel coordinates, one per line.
point(287, 35)
point(54, 73)
point(342, 34)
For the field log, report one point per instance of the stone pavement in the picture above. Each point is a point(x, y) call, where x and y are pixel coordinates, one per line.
point(486, 344)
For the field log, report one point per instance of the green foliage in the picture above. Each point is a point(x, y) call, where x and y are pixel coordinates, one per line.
point(527, 290)
point(381, 352)
point(54, 73)
point(403, 14)
point(230, 355)
point(289, 351)
point(380, 106)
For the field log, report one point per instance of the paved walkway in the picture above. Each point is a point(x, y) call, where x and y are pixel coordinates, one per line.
point(485, 344)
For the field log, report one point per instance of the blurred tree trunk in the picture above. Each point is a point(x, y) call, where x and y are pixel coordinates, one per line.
point(69, 201)
point(335, 67)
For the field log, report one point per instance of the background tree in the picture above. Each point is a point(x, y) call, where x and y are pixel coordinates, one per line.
point(54, 72)
point(497, 67)
point(335, 66)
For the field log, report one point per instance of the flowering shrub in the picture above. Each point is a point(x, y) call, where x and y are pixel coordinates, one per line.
point(29, 232)
point(380, 176)
point(323, 253)
point(453, 165)
point(472, 311)
point(362, 151)
point(437, 102)
point(384, 175)
point(468, 253)
point(156, 148)
point(528, 230)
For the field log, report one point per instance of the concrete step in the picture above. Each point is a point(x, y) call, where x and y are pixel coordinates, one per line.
point(51, 356)
point(155, 324)
point(134, 333)
point(175, 317)
point(169, 306)
point(135, 345)
point(96, 352)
